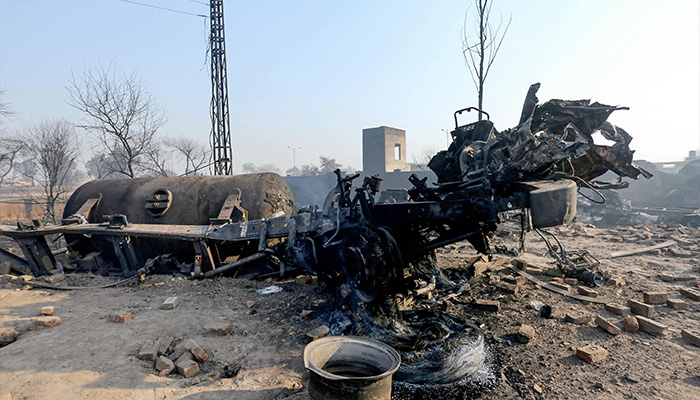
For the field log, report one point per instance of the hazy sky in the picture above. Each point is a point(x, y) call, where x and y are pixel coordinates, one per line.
point(314, 73)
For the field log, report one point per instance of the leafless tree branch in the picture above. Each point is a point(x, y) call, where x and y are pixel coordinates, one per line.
point(51, 148)
point(122, 116)
point(479, 53)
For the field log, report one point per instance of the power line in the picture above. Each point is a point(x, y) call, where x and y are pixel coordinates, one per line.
point(199, 2)
point(163, 8)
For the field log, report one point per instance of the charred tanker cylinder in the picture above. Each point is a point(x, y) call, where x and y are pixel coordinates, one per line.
point(197, 200)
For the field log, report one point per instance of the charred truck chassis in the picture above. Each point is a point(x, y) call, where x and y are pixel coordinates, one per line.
point(535, 167)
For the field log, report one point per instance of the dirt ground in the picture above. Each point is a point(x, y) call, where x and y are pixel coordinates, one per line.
point(88, 356)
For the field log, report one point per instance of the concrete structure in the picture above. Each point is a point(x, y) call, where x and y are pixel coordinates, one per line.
point(384, 150)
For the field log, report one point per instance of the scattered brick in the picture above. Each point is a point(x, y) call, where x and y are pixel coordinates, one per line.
point(554, 272)
point(218, 329)
point(317, 333)
point(537, 388)
point(306, 314)
point(691, 336)
point(571, 281)
point(304, 280)
point(651, 326)
point(587, 291)
point(8, 335)
point(196, 350)
point(186, 356)
point(615, 281)
point(55, 278)
point(607, 326)
point(47, 321)
point(561, 285)
point(250, 303)
point(637, 307)
point(680, 252)
point(187, 368)
point(655, 297)
point(617, 309)
point(677, 304)
point(120, 317)
point(486, 305)
point(578, 318)
point(508, 288)
point(631, 324)
point(152, 351)
point(591, 353)
point(525, 334)
point(691, 294)
point(199, 354)
point(494, 279)
point(48, 310)
point(164, 365)
point(170, 303)
point(147, 352)
point(533, 270)
point(515, 280)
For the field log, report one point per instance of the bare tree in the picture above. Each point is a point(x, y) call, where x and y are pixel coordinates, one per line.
point(195, 155)
point(425, 155)
point(480, 52)
point(50, 146)
point(9, 150)
point(156, 158)
point(120, 113)
point(5, 110)
point(9, 146)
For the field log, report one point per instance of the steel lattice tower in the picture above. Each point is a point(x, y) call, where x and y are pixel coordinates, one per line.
point(221, 150)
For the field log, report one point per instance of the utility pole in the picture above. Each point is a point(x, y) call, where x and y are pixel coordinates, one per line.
point(294, 156)
point(221, 150)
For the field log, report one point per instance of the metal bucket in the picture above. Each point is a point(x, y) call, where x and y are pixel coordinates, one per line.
point(350, 368)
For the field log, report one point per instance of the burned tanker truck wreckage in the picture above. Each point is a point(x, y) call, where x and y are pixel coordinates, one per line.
point(244, 224)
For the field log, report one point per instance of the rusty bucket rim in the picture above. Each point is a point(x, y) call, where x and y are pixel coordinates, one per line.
point(380, 346)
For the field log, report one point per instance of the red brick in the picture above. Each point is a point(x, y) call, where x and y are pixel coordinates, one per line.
point(691, 294)
point(640, 308)
point(49, 310)
point(591, 353)
point(188, 368)
point(677, 304)
point(486, 305)
point(561, 285)
point(651, 326)
point(121, 317)
point(655, 297)
point(607, 326)
point(317, 333)
point(218, 329)
point(587, 291)
point(199, 354)
point(47, 321)
point(508, 288)
point(571, 281)
point(250, 303)
point(631, 324)
point(691, 336)
point(579, 318)
point(617, 309)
